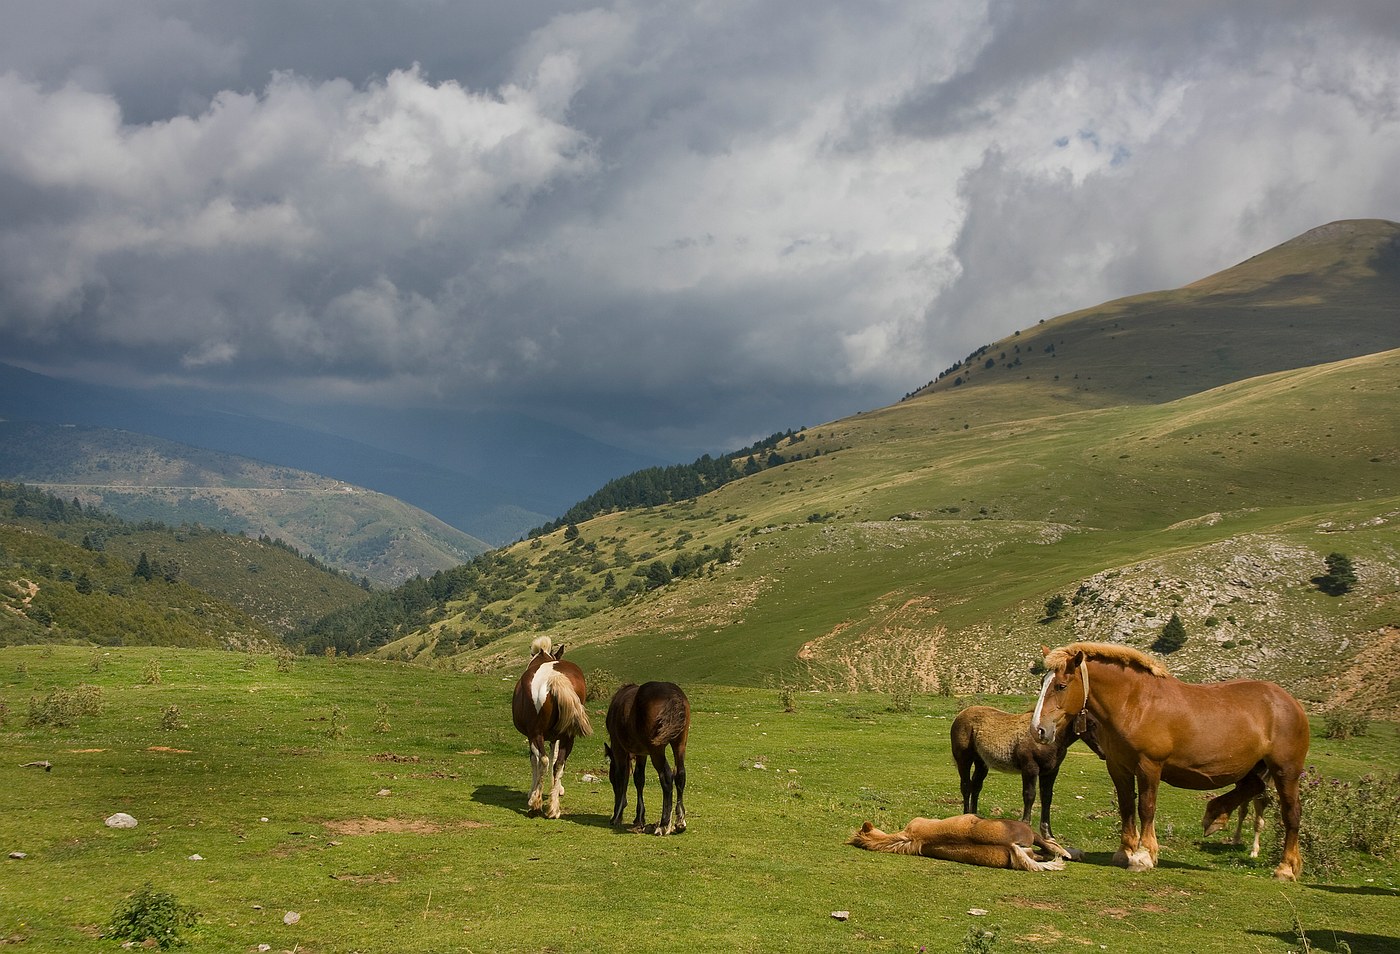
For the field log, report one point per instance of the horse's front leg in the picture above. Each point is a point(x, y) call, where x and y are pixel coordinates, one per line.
point(562, 748)
point(1149, 777)
point(1124, 785)
point(639, 778)
point(535, 800)
point(658, 758)
point(1047, 795)
point(1028, 784)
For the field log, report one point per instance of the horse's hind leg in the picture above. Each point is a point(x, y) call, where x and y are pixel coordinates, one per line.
point(538, 761)
point(1291, 808)
point(668, 787)
point(1261, 802)
point(678, 750)
point(639, 779)
point(562, 748)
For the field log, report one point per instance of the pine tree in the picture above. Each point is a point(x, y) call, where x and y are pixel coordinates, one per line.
point(1172, 638)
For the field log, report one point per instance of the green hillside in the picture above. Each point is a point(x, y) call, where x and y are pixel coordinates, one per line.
point(921, 542)
point(70, 573)
point(145, 478)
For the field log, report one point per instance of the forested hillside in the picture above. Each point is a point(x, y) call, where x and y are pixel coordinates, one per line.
point(72, 573)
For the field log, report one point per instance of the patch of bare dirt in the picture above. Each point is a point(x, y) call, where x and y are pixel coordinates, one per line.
point(395, 826)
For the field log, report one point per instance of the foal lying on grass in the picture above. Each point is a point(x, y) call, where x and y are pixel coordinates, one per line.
point(989, 842)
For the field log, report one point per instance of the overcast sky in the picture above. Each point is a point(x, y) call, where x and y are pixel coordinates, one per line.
point(677, 225)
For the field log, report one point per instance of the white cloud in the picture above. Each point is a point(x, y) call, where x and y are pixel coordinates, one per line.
point(664, 219)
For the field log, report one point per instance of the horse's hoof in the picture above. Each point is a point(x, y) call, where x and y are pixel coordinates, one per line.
point(1141, 861)
point(1285, 873)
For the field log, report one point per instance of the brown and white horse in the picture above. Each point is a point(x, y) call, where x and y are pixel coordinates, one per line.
point(548, 708)
point(1153, 728)
point(969, 840)
point(642, 721)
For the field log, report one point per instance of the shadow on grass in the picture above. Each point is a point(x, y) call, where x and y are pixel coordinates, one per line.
point(1104, 859)
point(1357, 889)
point(513, 800)
point(1327, 940)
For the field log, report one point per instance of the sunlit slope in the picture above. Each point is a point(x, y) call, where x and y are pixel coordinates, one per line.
point(1324, 296)
point(941, 525)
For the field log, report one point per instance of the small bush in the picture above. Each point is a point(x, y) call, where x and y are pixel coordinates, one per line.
point(63, 708)
point(1054, 606)
point(170, 718)
point(151, 676)
point(1345, 724)
point(151, 915)
point(601, 685)
point(1340, 818)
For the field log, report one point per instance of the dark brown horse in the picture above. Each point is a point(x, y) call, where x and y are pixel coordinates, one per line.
point(986, 738)
point(642, 721)
point(1154, 728)
point(548, 708)
point(1245, 795)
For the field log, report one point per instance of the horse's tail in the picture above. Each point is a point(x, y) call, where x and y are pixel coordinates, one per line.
point(873, 839)
point(573, 717)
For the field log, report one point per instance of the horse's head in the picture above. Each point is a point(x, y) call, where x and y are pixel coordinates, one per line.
point(1063, 695)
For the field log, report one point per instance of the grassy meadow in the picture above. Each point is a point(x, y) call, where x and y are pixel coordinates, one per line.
point(383, 804)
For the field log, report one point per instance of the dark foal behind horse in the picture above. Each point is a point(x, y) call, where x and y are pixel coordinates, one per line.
point(548, 707)
point(642, 721)
point(984, 737)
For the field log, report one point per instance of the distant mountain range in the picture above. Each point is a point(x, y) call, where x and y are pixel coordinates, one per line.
point(142, 478)
point(493, 476)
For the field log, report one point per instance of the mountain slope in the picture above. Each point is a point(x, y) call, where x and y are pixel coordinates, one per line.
point(140, 477)
point(70, 573)
point(920, 542)
point(1327, 295)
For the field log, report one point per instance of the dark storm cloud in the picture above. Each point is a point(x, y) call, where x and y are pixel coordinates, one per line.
point(663, 223)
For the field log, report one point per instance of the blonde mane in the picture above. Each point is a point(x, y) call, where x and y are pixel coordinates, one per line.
point(1110, 652)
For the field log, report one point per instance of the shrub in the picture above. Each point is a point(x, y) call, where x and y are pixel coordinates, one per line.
point(151, 915)
point(1344, 817)
point(151, 676)
point(1054, 606)
point(1344, 724)
point(63, 707)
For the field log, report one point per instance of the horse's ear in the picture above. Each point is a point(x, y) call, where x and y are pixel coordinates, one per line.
point(1077, 661)
point(1044, 649)
point(559, 653)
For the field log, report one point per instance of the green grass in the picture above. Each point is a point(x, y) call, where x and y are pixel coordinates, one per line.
point(461, 868)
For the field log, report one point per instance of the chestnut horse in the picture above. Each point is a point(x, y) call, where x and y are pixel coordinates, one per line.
point(548, 707)
point(642, 721)
point(1154, 728)
point(969, 840)
point(984, 737)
